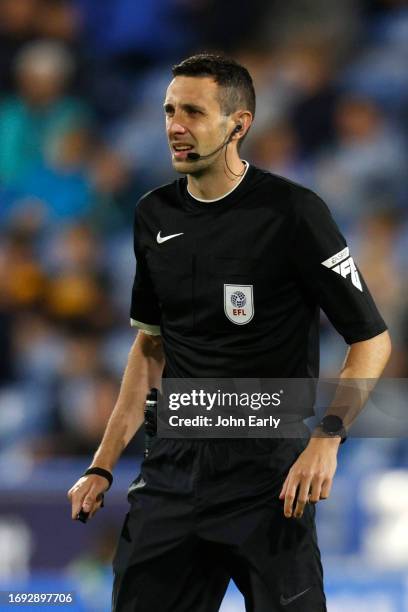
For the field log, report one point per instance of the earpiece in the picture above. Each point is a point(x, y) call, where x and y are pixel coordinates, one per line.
point(193, 156)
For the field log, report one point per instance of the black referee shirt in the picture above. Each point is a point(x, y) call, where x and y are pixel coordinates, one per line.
point(234, 286)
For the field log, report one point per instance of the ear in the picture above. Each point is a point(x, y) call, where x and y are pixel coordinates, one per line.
point(243, 119)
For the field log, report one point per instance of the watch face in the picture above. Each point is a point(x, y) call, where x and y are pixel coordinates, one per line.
point(332, 424)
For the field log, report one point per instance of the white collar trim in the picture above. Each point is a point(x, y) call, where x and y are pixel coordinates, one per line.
point(225, 194)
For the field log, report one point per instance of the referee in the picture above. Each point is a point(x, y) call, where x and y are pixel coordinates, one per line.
point(205, 511)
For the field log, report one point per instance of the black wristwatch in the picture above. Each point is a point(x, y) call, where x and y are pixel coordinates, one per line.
point(333, 426)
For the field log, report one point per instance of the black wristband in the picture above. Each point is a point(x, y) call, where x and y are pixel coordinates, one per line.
point(100, 472)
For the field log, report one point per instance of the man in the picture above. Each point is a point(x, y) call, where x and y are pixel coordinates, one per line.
point(203, 511)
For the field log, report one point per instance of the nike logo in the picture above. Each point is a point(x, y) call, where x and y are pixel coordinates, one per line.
point(285, 601)
point(161, 238)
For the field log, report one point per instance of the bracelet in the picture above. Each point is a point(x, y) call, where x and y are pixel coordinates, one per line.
point(100, 472)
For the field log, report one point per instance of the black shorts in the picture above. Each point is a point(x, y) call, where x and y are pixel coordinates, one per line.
point(205, 511)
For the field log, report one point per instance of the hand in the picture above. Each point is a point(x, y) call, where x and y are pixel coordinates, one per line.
point(311, 476)
point(87, 494)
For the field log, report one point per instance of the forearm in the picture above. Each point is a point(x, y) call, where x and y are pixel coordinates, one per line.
point(367, 359)
point(143, 371)
point(364, 364)
point(312, 473)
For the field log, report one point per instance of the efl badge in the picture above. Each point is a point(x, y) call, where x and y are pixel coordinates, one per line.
point(239, 303)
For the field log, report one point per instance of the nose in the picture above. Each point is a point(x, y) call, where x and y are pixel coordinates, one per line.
point(174, 128)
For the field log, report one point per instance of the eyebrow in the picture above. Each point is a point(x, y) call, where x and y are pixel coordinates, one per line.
point(186, 106)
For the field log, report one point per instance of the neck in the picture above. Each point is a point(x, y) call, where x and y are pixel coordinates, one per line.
point(217, 180)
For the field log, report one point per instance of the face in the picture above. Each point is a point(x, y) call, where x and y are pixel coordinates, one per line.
point(40, 88)
point(194, 122)
point(357, 120)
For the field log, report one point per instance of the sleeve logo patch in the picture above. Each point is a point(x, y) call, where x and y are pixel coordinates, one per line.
point(239, 303)
point(344, 265)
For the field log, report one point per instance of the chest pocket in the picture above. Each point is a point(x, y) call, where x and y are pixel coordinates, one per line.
point(171, 272)
point(225, 291)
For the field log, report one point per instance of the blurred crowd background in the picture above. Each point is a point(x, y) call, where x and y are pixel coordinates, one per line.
point(82, 138)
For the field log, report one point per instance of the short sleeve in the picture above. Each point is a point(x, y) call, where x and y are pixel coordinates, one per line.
point(145, 312)
point(326, 269)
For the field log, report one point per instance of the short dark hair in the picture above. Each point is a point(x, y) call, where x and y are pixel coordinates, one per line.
point(237, 88)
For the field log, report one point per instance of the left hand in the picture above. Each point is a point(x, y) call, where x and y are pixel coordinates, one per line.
point(311, 476)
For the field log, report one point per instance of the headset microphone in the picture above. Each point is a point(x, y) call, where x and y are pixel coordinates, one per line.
point(197, 156)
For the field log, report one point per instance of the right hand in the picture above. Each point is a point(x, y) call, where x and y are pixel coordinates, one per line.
point(87, 494)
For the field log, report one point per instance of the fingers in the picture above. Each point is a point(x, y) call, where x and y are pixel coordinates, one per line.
point(284, 487)
point(92, 503)
point(77, 495)
point(326, 488)
point(316, 488)
point(303, 496)
point(290, 494)
point(89, 502)
point(97, 504)
point(298, 491)
point(86, 495)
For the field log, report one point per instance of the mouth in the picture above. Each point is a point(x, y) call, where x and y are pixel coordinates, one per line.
point(181, 150)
